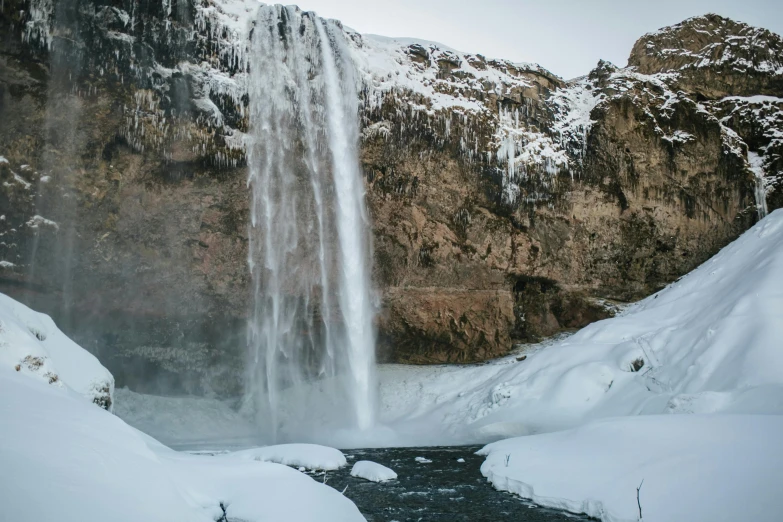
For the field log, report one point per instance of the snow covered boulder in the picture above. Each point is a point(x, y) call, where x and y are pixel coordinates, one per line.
point(308, 456)
point(372, 471)
point(31, 344)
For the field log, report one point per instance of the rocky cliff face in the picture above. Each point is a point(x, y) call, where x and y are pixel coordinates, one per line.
point(507, 204)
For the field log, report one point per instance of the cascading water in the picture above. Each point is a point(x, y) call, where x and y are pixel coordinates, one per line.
point(310, 335)
point(756, 163)
point(63, 138)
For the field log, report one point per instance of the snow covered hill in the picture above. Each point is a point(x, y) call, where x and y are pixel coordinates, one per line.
point(65, 459)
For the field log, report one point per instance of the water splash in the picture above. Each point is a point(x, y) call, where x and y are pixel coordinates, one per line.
point(310, 336)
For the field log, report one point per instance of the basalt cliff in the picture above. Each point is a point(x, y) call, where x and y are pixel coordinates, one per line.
point(507, 204)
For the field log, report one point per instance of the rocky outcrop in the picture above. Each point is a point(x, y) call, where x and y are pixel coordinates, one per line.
point(712, 57)
point(507, 204)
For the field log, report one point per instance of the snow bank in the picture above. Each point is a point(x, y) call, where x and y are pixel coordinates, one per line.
point(64, 459)
point(694, 467)
point(372, 471)
point(310, 456)
point(31, 344)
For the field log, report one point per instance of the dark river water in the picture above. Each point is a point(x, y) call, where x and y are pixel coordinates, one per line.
point(441, 490)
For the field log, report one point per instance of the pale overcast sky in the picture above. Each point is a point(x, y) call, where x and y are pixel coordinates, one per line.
point(567, 37)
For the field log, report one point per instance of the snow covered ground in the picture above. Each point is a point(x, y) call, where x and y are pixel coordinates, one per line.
point(64, 458)
point(695, 468)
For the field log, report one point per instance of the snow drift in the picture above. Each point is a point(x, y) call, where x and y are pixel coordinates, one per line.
point(308, 456)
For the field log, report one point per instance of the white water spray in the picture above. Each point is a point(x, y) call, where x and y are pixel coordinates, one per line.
point(310, 335)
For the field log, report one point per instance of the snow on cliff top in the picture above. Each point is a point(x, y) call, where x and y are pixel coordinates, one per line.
point(411, 64)
point(384, 62)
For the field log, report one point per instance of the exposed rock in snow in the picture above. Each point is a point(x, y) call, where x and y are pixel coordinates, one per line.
point(372, 471)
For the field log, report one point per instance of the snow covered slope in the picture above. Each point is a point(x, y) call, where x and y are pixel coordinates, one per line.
point(710, 342)
point(31, 344)
point(716, 468)
point(66, 460)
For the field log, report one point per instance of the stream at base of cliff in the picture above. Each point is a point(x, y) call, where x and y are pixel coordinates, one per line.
point(443, 485)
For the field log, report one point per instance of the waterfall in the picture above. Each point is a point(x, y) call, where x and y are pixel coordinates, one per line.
point(756, 164)
point(63, 138)
point(311, 343)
